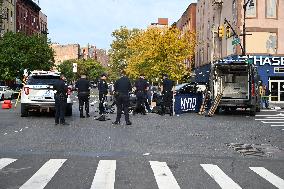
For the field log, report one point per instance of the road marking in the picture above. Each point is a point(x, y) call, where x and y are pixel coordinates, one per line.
point(40, 179)
point(6, 161)
point(220, 177)
point(270, 177)
point(105, 175)
point(277, 125)
point(273, 115)
point(163, 175)
point(271, 122)
point(268, 110)
point(269, 119)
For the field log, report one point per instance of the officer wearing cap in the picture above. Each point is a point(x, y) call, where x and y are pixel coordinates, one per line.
point(141, 87)
point(83, 86)
point(60, 100)
point(167, 92)
point(103, 90)
point(122, 87)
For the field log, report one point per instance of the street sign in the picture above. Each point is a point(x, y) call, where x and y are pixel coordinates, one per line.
point(236, 41)
point(75, 67)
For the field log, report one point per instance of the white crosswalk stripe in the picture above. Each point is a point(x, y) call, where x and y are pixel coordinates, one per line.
point(40, 179)
point(6, 161)
point(273, 118)
point(163, 175)
point(220, 177)
point(106, 171)
point(270, 177)
point(105, 175)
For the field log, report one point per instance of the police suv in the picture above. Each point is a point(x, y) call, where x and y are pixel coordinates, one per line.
point(38, 93)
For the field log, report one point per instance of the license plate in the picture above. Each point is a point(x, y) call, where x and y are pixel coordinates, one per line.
point(48, 94)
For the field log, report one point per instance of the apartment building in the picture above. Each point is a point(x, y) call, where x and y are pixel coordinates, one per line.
point(8, 16)
point(264, 24)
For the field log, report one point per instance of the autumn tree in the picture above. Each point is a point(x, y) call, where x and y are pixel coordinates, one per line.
point(119, 50)
point(160, 50)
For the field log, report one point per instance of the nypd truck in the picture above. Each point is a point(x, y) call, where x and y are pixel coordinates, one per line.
point(238, 81)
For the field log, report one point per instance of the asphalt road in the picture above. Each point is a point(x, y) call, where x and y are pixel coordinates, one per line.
point(186, 151)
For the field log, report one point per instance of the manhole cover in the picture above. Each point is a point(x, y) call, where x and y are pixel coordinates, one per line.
point(260, 150)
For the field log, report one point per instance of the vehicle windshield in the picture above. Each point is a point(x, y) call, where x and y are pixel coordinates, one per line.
point(42, 80)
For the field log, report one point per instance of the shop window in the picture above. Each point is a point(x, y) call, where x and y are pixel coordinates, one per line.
point(271, 8)
point(251, 10)
point(279, 70)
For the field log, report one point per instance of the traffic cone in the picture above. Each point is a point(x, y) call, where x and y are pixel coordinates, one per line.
point(7, 104)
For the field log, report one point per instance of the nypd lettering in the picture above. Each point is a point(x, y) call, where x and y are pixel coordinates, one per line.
point(188, 104)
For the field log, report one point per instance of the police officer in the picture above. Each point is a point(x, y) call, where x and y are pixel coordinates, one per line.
point(122, 87)
point(83, 86)
point(167, 92)
point(141, 87)
point(60, 100)
point(103, 90)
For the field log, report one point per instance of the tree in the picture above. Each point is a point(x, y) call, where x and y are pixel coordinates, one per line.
point(66, 68)
point(119, 51)
point(160, 50)
point(91, 68)
point(19, 52)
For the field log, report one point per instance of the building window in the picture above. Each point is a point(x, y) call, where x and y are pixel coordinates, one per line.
point(251, 10)
point(11, 18)
point(279, 70)
point(271, 8)
point(235, 13)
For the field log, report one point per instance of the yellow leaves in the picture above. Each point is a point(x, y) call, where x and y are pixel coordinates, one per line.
point(159, 50)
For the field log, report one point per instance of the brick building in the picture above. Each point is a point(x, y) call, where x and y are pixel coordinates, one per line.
point(65, 52)
point(27, 17)
point(7, 18)
point(43, 23)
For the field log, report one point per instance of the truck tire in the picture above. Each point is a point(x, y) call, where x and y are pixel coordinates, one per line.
point(68, 110)
point(24, 111)
point(252, 111)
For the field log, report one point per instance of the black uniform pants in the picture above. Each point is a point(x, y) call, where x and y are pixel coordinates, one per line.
point(60, 106)
point(167, 101)
point(122, 103)
point(102, 98)
point(84, 100)
point(140, 102)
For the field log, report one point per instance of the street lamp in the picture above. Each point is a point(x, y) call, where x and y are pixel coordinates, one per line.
point(249, 3)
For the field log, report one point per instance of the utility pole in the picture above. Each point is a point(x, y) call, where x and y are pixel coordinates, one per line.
point(251, 4)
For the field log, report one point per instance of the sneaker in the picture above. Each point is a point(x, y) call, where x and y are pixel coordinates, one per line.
point(81, 116)
point(65, 123)
point(88, 115)
point(128, 123)
point(56, 124)
point(116, 123)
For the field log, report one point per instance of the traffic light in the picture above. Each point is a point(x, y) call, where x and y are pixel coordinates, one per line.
point(221, 31)
point(228, 31)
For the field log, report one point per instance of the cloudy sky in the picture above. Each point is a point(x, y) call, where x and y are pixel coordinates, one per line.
point(92, 21)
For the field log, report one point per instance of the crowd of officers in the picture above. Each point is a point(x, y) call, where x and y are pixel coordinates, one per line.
point(121, 92)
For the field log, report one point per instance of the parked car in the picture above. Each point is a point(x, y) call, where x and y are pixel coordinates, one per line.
point(6, 93)
point(38, 93)
point(186, 88)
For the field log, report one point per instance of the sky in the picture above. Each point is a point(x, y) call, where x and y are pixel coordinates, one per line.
point(93, 21)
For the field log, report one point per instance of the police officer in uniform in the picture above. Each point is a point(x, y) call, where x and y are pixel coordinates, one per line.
point(60, 100)
point(103, 90)
point(83, 86)
point(141, 87)
point(167, 92)
point(122, 87)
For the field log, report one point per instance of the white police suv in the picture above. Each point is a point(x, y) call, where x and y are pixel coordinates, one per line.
point(38, 93)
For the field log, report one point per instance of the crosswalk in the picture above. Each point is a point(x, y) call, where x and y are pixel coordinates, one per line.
point(275, 118)
point(104, 177)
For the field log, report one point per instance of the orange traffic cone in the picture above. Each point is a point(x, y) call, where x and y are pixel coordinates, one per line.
point(7, 104)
